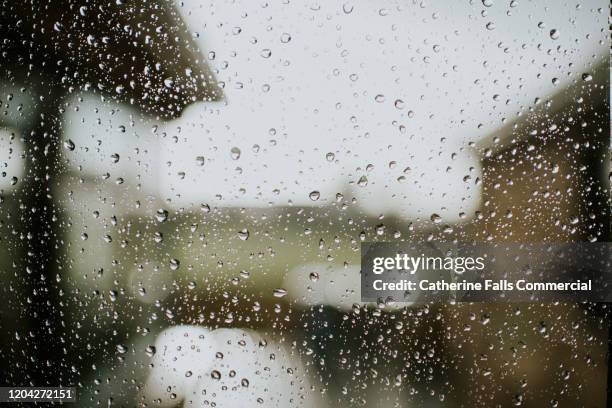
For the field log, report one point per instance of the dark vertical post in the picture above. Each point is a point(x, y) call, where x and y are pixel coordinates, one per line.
point(41, 244)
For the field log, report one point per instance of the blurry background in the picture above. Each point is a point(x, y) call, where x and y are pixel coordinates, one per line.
point(222, 173)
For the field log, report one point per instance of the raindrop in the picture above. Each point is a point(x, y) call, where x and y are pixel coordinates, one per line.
point(279, 292)
point(69, 145)
point(174, 264)
point(314, 195)
point(347, 8)
point(243, 234)
point(161, 215)
point(554, 34)
point(199, 161)
point(235, 153)
point(435, 218)
point(158, 237)
point(150, 351)
point(168, 82)
point(314, 276)
point(215, 375)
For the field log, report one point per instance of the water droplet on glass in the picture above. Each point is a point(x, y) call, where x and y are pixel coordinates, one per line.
point(69, 145)
point(243, 234)
point(279, 292)
point(235, 153)
point(347, 8)
point(554, 34)
point(168, 82)
point(161, 215)
point(314, 195)
point(158, 237)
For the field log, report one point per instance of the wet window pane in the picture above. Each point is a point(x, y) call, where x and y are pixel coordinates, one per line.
point(185, 188)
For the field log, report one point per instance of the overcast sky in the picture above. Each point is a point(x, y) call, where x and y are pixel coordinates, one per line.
point(322, 95)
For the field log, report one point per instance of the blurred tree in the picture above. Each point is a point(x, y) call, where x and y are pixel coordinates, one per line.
point(139, 52)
